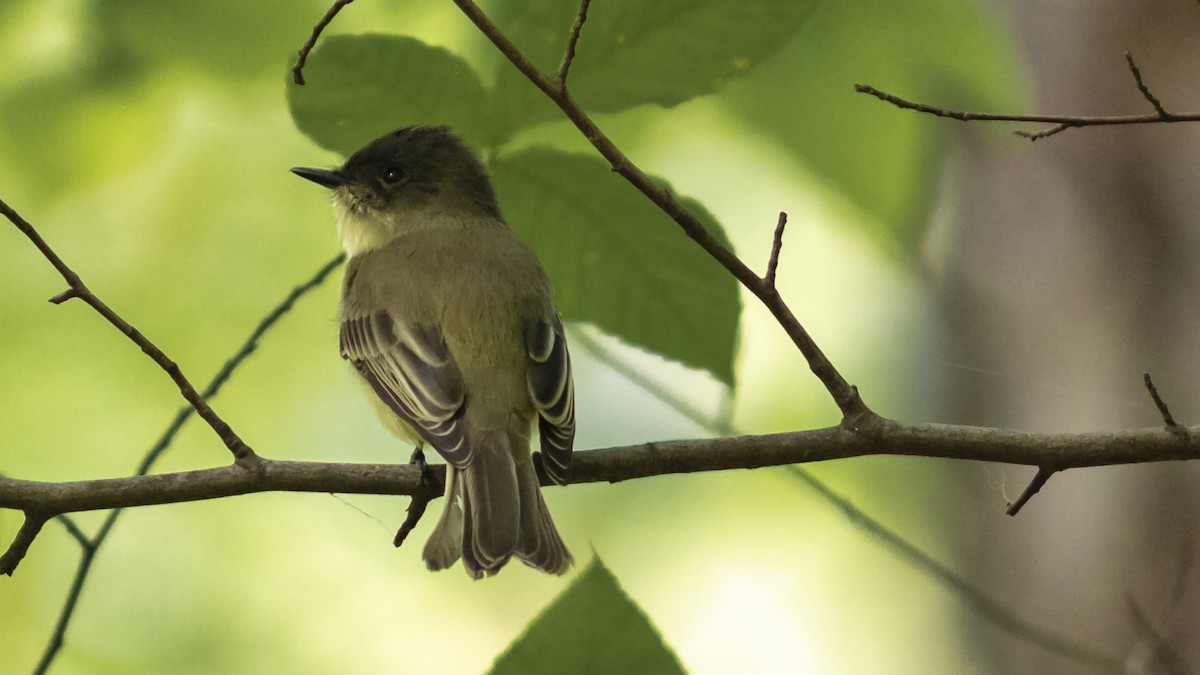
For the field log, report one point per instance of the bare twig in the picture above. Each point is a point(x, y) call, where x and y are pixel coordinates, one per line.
point(242, 453)
point(776, 248)
point(1141, 85)
point(91, 546)
point(988, 608)
point(297, 70)
point(1039, 480)
point(20, 544)
point(572, 40)
point(420, 500)
point(1058, 122)
point(855, 413)
point(1159, 403)
point(73, 529)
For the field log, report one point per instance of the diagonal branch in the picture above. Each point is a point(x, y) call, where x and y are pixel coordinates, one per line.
point(1159, 403)
point(1141, 85)
point(1035, 486)
point(855, 413)
point(242, 453)
point(91, 546)
point(302, 56)
point(776, 249)
point(20, 544)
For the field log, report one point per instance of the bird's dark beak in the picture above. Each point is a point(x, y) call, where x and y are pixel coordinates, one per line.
point(325, 177)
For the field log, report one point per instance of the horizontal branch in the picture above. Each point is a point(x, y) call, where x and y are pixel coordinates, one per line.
point(1054, 451)
point(1058, 123)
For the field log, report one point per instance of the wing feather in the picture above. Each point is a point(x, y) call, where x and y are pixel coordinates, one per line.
point(552, 390)
point(411, 370)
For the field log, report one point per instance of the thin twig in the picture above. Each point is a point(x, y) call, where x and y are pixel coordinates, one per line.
point(90, 546)
point(20, 544)
point(242, 453)
point(76, 533)
point(988, 608)
point(1039, 480)
point(776, 248)
point(572, 40)
point(420, 501)
point(1168, 419)
point(1141, 85)
point(1058, 122)
point(297, 74)
point(855, 413)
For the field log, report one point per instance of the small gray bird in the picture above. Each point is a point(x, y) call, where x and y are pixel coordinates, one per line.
point(451, 323)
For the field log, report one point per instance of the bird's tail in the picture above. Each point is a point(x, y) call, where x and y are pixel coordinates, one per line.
point(540, 545)
point(494, 510)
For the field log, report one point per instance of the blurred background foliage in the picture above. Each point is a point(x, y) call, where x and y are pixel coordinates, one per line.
point(954, 273)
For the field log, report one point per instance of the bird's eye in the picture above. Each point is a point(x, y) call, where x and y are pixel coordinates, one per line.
point(393, 175)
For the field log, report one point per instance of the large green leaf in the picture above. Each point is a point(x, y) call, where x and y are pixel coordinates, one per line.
point(633, 52)
point(886, 161)
point(593, 628)
point(363, 86)
point(620, 263)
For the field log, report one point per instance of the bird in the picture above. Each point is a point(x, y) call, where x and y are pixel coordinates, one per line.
point(450, 323)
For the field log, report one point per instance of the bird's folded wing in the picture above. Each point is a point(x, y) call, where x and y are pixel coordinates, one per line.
point(548, 376)
point(411, 370)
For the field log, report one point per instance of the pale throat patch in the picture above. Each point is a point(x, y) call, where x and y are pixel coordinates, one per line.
point(358, 233)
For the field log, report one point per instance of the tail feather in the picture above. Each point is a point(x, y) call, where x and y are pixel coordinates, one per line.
point(446, 542)
point(494, 510)
point(540, 546)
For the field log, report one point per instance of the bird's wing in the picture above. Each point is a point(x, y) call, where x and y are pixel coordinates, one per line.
point(548, 376)
point(411, 370)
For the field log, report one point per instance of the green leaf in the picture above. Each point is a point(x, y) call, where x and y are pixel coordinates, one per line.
point(360, 87)
point(633, 52)
point(593, 628)
point(620, 263)
point(885, 160)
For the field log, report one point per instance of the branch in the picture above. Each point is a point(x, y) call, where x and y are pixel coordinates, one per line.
point(1035, 486)
point(572, 41)
point(20, 543)
point(1058, 122)
point(776, 249)
point(987, 607)
point(242, 453)
point(90, 546)
point(854, 411)
point(302, 57)
point(1159, 403)
point(1061, 451)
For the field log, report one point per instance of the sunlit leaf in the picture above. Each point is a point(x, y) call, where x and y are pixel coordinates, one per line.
point(620, 263)
point(633, 52)
point(593, 628)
